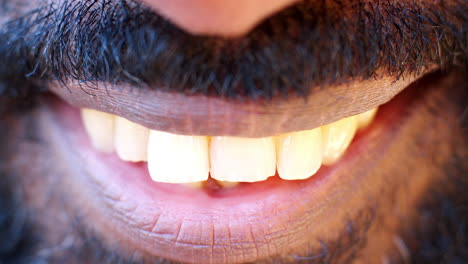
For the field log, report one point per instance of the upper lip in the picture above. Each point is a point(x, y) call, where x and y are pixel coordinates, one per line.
point(203, 115)
point(151, 217)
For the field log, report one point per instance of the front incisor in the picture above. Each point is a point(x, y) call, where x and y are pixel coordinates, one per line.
point(177, 159)
point(239, 159)
point(299, 154)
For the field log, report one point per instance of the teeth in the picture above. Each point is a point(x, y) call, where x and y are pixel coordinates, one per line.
point(131, 140)
point(100, 128)
point(238, 159)
point(299, 154)
point(177, 159)
point(336, 138)
point(364, 119)
point(187, 159)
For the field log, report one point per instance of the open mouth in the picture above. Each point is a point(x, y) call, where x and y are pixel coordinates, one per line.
point(175, 158)
point(314, 136)
point(218, 198)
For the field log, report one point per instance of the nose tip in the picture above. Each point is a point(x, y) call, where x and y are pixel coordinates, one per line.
point(229, 18)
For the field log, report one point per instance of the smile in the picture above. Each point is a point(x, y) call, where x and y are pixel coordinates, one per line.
point(190, 159)
point(232, 131)
point(192, 197)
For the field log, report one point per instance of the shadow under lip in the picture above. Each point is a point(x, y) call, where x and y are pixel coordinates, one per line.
point(201, 115)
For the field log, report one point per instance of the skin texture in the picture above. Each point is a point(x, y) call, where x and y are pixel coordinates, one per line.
point(399, 197)
point(294, 53)
point(67, 198)
point(212, 116)
point(227, 18)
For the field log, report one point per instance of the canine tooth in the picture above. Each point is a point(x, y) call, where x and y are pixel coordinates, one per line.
point(336, 138)
point(299, 154)
point(364, 119)
point(131, 140)
point(177, 159)
point(100, 128)
point(238, 159)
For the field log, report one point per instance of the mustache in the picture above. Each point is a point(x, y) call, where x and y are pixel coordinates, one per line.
point(306, 46)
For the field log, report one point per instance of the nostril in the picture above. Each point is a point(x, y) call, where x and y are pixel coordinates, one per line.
point(229, 18)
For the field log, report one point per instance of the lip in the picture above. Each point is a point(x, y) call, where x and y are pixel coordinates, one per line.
point(210, 116)
point(252, 222)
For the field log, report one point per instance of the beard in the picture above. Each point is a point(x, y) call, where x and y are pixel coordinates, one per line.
point(39, 219)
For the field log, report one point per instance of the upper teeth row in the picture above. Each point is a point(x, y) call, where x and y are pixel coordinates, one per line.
point(184, 159)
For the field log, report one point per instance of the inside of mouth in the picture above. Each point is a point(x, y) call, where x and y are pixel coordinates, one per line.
point(222, 162)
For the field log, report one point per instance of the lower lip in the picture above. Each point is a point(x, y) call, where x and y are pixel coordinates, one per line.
point(227, 225)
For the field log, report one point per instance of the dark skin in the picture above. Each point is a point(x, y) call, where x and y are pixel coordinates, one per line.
point(405, 205)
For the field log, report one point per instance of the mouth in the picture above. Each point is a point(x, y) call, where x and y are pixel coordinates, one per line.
point(221, 198)
point(172, 158)
point(312, 138)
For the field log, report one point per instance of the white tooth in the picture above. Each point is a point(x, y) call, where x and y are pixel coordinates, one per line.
point(177, 159)
point(100, 128)
point(131, 140)
point(364, 119)
point(238, 159)
point(336, 138)
point(299, 154)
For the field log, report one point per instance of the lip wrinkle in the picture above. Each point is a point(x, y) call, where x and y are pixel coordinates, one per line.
point(208, 116)
point(312, 203)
